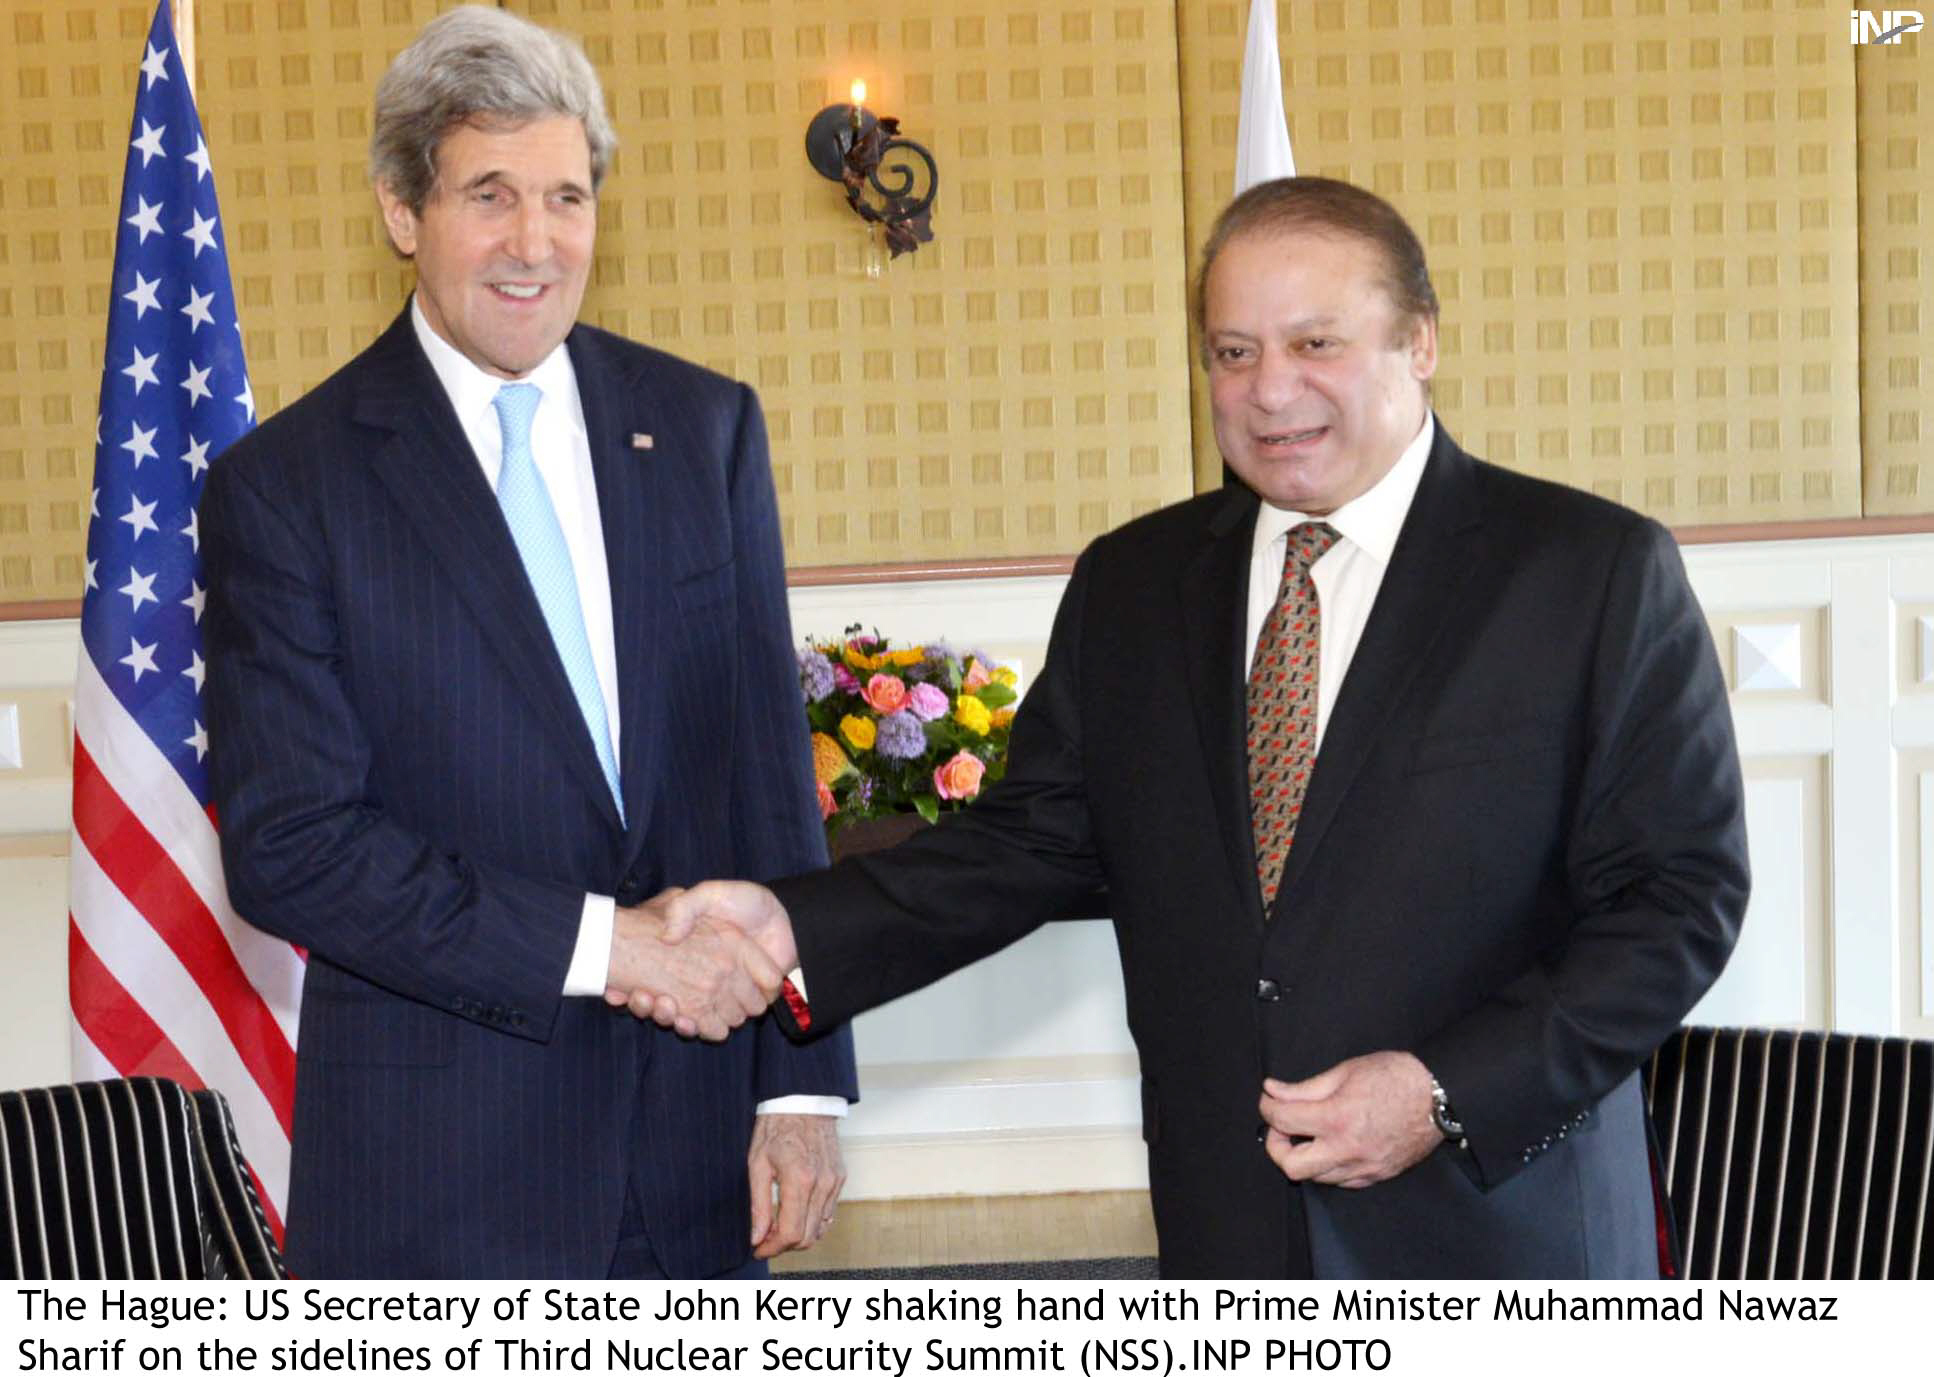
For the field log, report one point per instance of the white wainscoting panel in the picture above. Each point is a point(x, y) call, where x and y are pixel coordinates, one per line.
point(1923, 931)
point(1786, 918)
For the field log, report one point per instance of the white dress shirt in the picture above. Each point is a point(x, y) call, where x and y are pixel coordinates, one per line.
point(561, 447)
point(1348, 575)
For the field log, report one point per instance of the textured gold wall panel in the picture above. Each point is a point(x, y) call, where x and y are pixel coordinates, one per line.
point(1016, 387)
point(66, 93)
point(1019, 385)
point(1897, 290)
point(1640, 216)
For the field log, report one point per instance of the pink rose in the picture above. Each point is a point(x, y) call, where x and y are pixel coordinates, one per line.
point(978, 677)
point(844, 681)
point(885, 694)
point(928, 702)
point(827, 805)
point(960, 777)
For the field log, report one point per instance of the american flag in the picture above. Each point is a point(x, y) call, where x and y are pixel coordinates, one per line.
point(163, 978)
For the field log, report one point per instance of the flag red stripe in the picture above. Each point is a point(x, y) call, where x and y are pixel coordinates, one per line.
point(115, 1022)
point(144, 871)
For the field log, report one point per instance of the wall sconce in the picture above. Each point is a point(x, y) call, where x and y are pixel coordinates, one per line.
point(850, 145)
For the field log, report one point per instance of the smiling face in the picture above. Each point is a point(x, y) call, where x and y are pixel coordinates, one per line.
point(503, 244)
point(1315, 381)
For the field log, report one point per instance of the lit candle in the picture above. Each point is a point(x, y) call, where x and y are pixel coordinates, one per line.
point(859, 99)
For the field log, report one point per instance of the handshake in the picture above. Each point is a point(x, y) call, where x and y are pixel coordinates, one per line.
point(701, 960)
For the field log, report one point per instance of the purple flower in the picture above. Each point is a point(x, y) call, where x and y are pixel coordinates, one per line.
point(901, 736)
point(816, 675)
point(927, 702)
point(844, 681)
point(941, 664)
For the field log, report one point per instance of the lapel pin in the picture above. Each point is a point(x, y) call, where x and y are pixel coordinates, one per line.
point(640, 440)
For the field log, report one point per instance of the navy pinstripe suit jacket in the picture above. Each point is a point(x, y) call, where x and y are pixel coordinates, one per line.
point(406, 787)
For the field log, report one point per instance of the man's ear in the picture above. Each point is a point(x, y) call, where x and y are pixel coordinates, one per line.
point(1423, 349)
point(398, 219)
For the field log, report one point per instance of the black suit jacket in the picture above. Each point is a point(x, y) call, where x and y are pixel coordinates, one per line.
point(1522, 857)
point(407, 788)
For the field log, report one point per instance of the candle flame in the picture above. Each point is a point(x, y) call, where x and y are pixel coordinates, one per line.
point(859, 92)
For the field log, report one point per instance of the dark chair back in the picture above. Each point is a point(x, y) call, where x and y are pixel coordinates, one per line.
point(124, 1180)
point(1796, 1155)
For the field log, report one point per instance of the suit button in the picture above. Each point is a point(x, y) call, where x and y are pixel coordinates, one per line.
point(1268, 991)
point(1262, 1133)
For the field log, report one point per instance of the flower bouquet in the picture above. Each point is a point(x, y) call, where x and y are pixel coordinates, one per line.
point(919, 729)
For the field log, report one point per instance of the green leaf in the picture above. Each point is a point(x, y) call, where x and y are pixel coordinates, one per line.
point(995, 695)
point(928, 807)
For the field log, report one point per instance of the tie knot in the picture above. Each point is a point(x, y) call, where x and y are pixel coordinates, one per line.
point(1310, 541)
point(516, 403)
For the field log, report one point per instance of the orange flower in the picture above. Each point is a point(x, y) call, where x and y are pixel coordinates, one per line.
point(960, 777)
point(1003, 716)
point(829, 761)
point(827, 804)
point(885, 694)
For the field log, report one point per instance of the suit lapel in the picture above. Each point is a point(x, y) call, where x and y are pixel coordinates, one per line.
point(1213, 625)
point(617, 405)
point(432, 473)
point(1429, 569)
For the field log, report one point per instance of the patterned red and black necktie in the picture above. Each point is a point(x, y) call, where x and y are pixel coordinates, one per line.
point(1282, 706)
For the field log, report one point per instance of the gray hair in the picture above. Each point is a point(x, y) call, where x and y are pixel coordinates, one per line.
point(474, 65)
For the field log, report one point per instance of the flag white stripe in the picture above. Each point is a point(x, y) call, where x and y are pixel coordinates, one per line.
point(1262, 131)
point(147, 969)
point(151, 789)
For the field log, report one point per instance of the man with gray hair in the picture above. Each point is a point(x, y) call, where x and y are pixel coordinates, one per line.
point(498, 647)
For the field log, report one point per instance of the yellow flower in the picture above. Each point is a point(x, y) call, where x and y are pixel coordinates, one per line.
point(865, 664)
point(1003, 716)
point(1006, 676)
point(858, 731)
point(972, 714)
point(829, 761)
point(906, 659)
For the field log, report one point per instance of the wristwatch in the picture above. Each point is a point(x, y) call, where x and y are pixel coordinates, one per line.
point(1442, 1115)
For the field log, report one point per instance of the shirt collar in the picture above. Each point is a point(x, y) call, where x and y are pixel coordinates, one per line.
point(1372, 520)
point(472, 391)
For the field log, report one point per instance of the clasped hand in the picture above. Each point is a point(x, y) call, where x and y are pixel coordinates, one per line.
point(700, 961)
point(1362, 1121)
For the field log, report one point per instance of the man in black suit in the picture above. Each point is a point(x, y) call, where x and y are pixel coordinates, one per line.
point(1486, 710)
point(498, 647)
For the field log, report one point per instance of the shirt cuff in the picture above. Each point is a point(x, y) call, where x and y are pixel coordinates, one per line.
point(832, 1106)
point(590, 968)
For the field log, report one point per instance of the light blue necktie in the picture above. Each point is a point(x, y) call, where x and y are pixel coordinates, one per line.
point(547, 559)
